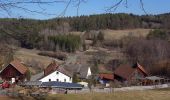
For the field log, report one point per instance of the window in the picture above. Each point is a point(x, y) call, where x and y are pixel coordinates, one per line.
point(57, 73)
point(64, 80)
point(49, 80)
point(57, 80)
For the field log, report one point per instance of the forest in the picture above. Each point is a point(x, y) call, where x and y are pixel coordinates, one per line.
point(55, 35)
point(30, 33)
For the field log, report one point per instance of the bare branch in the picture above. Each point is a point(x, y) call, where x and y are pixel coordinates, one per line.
point(142, 5)
point(114, 7)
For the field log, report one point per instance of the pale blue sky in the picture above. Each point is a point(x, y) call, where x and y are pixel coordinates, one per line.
point(92, 7)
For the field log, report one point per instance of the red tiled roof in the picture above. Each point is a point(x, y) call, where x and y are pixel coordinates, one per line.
point(124, 71)
point(55, 67)
point(106, 76)
point(51, 68)
point(20, 67)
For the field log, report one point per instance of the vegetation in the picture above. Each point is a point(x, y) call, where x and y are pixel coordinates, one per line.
point(40, 34)
point(133, 95)
point(67, 43)
point(58, 55)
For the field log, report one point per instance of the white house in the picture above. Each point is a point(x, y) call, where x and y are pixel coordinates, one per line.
point(56, 73)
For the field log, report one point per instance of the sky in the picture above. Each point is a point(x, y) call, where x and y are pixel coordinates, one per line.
point(88, 8)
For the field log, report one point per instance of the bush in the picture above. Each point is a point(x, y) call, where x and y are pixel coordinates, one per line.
point(157, 34)
point(58, 55)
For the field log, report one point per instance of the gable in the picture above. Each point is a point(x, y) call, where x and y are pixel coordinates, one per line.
point(137, 74)
point(51, 68)
point(56, 76)
point(10, 71)
point(127, 71)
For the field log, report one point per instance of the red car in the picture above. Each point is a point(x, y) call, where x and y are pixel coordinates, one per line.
point(5, 85)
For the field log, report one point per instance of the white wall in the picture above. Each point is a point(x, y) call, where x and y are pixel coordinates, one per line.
point(54, 76)
point(88, 72)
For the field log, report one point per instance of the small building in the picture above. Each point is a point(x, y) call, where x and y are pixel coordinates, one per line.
point(153, 80)
point(130, 74)
point(106, 78)
point(54, 72)
point(15, 71)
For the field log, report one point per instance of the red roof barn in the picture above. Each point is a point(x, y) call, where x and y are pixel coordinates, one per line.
point(14, 70)
point(128, 73)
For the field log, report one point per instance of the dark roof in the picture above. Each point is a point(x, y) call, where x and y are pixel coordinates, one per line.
point(64, 71)
point(37, 76)
point(106, 76)
point(61, 85)
point(125, 71)
point(31, 83)
point(81, 69)
point(18, 66)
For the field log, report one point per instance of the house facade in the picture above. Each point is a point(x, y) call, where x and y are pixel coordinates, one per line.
point(54, 72)
point(57, 76)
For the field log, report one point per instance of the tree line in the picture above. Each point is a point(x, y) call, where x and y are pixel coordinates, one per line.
point(30, 33)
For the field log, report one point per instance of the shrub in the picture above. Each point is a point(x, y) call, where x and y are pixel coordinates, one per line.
point(58, 55)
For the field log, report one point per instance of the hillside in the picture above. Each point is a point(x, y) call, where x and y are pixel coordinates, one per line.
point(35, 62)
point(128, 38)
point(118, 34)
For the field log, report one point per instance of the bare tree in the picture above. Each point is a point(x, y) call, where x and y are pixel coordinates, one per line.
point(8, 5)
point(114, 7)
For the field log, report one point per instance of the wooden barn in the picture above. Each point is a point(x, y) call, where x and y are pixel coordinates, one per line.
point(14, 71)
point(130, 74)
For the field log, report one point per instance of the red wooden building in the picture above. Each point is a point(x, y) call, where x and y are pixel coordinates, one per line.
point(130, 73)
point(15, 70)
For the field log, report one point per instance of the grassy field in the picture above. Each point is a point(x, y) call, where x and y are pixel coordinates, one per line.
point(133, 95)
point(159, 94)
point(118, 34)
point(26, 55)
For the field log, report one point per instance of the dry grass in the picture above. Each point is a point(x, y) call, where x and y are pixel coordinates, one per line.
point(26, 55)
point(118, 34)
point(133, 95)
